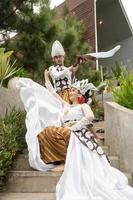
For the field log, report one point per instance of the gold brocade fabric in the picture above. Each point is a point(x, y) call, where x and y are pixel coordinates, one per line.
point(53, 142)
point(64, 94)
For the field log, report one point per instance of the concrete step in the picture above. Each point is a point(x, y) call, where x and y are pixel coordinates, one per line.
point(101, 142)
point(37, 182)
point(99, 124)
point(41, 196)
point(114, 161)
point(21, 162)
point(100, 130)
point(27, 196)
point(130, 178)
point(32, 181)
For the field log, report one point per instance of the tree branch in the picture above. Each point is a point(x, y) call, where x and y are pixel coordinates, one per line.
point(11, 14)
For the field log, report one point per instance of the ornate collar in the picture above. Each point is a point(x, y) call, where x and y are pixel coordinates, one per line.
point(59, 68)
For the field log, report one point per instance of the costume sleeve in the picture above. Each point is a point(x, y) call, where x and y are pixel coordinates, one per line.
point(50, 87)
point(53, 91)
point(58, 74)
point(85, 120)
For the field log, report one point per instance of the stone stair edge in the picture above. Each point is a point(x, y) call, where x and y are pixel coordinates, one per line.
point(33, 173)
point(25, 152)
point(27, 196)
point(28, 171)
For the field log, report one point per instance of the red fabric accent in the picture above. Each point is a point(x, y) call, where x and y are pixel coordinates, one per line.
point(81, 100)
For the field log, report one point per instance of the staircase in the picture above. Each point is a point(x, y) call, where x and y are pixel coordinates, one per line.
point(25, 183)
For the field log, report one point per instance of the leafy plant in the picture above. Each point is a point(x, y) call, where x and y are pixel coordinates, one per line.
point(6, 68)
point(123, 94)
point(12, 140)
point(86, 72)
point(111, 84)
point(22, 73)
point(117, 71)
point(98, 111)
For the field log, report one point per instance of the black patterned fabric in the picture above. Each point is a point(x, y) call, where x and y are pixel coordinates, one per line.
point(88, 139)
point(59, 69)
point(62, 84)
point(88, 96)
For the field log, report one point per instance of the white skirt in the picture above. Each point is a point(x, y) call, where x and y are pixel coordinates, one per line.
point(88, 176)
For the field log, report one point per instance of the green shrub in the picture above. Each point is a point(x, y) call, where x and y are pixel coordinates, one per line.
point(117, 70)
point(97, 110)
point(123, 94)
point(12, 140)
point(86, 72)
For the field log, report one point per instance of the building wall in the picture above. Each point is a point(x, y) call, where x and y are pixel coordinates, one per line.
point(72, 4)
point(114, 30)
point(84, 11)
point(124, 55)
point(60, 10)
point(114, 27)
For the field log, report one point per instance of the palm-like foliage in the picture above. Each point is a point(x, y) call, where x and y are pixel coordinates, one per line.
point(7, 68)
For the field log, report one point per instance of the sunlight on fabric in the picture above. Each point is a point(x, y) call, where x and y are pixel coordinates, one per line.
point(128, 6)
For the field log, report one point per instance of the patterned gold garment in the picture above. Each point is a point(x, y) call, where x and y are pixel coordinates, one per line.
point(53, 142)
point(64, 94)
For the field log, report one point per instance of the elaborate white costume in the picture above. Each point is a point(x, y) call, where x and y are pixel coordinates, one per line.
point(61, 77)
point(87, 174)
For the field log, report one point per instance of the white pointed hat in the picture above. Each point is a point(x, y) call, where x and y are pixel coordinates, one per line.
point(57, 49)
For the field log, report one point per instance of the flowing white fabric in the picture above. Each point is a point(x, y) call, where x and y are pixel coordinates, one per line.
point(42, 109)
point(105, 54)
point(88, 176)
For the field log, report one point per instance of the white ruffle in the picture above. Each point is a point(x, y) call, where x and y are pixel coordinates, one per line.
point(42, 109)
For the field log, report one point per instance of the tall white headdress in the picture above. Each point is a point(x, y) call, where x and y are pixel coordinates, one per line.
point(83, 86)
point(57, 49)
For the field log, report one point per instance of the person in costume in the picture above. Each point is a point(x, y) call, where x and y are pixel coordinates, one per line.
point(54, 140)
point(87, 174)
point(61, 75)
